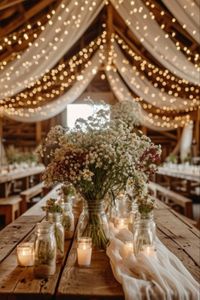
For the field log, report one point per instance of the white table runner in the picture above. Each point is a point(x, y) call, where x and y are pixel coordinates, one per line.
point(161, 278)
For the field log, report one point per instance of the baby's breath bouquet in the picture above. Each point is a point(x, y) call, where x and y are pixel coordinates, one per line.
point(98, 155)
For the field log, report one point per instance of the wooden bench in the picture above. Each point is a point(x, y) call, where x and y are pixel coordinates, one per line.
point(11, 208)
point(28, 194)
point(172, 199)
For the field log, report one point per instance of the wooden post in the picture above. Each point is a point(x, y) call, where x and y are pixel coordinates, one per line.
point(1, 127)
point(38, 132)
point(144, 130)
point(197, 130)
point(1, 141)
point(109, 28)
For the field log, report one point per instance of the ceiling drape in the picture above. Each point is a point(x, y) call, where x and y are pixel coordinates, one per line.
point(56, 106)
point(153, 38)
point(187, 12)
point(66, 26)
point(143, 87)
point(122, 94)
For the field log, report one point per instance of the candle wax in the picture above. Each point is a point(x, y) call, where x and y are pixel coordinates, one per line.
point(84, 255)
point(25, 256)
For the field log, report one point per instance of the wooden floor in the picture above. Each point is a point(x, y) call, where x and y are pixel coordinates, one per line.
point(94, 282)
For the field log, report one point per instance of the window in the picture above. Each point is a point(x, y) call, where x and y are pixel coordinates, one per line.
point(76, 111)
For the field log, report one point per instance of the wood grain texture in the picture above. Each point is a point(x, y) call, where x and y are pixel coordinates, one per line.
point(14, 233)
point(20, 281)
point(94, 282)
point(17, 282)
point(88, 282)
point(180, 237)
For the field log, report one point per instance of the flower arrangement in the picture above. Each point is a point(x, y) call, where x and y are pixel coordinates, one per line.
point(99, 155)
point(67, 193)
point(52, 207)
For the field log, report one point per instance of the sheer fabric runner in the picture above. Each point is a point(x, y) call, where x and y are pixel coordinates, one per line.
point(162, 277)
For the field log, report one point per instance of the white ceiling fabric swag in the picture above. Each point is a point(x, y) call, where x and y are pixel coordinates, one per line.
point(187, 12)
point(57, 106)
point(122, 94)
point(66, 26)
point(153, 38)
point(144, 88)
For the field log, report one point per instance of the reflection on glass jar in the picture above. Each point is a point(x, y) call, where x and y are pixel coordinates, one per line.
point(68, 220)
point(144, 233)
point(56, 220)
point(45, 250)
point(93, 223)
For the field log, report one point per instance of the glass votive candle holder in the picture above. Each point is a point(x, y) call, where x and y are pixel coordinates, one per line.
point(84, 251)
point(25, 254)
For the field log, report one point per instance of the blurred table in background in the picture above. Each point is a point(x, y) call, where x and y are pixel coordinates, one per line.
point(10, 175)
point(183, 171)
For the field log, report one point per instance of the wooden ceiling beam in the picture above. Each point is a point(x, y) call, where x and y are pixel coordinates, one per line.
point(5, 4)
point(170, 26)
point(21, 19)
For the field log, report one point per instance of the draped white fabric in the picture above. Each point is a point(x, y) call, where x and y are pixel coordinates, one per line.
point(147, 30)
point(187, 13)
point(186, 141)
point(122, 93)
point(56, 106)
point(62, 31)
point(163, 277)
point(143, 87)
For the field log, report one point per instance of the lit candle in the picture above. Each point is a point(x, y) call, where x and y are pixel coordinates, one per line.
point(149, 251)
point(121, 223)
point(25, 254)
point(127, 248)
point(84, 251)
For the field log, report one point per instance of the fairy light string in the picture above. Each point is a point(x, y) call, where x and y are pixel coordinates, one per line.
point(56, 81)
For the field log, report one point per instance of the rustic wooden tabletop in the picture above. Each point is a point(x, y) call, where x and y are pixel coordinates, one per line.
point(73, 282)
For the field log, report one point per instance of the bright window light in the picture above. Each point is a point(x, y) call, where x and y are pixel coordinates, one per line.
point(76, 111)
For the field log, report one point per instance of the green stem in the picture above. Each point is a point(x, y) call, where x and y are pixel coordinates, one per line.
point(95, 230)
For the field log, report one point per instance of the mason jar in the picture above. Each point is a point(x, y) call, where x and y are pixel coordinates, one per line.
point(93, 223)
point(144, 233)
point(133, 215)
point(68, 220)
point(56, 220)
point(44, 251)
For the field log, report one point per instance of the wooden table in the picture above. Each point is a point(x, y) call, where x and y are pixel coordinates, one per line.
point(7, 179)
point(94, 282)
point(182, 174)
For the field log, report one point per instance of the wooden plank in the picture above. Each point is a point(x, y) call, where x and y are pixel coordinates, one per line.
point(91, 282)
point(96, 281)
point(180, 238)
point(20, 282)
point(14, 233)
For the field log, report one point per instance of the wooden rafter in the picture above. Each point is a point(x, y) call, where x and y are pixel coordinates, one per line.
point(20, 19)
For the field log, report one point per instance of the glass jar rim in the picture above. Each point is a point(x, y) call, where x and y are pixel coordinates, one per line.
point(26, 245)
